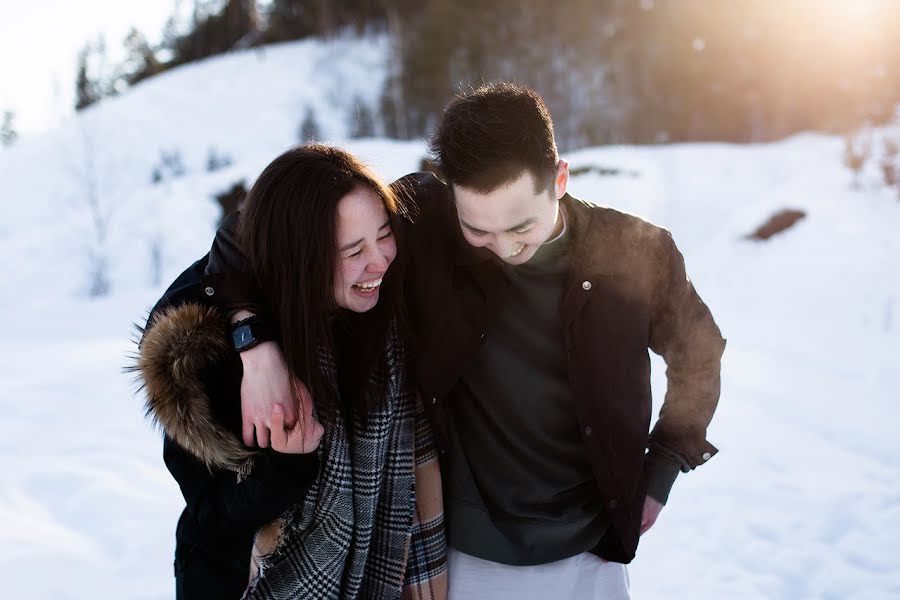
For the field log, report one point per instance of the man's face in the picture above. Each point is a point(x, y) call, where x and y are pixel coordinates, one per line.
point(514, 220)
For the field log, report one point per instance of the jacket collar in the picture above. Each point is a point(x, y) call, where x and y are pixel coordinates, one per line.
point(584, 233)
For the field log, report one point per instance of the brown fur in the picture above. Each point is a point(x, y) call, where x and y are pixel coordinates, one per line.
point(178, 345)
point(268, 538)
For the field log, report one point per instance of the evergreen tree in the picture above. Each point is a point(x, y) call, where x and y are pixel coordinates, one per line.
point(141, 61)
point(86, 92)
point(95, 77)
point(235, 25)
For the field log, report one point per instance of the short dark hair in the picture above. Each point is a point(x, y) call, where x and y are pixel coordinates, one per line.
point(490, 135)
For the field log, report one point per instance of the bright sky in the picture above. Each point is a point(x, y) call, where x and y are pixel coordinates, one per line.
point(39, 43)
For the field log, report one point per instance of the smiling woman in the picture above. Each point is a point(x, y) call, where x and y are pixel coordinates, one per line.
point(366, 249)
point(326, 510)
point(316, 230)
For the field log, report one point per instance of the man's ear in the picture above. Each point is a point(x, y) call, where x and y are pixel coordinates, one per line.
point(562, 179)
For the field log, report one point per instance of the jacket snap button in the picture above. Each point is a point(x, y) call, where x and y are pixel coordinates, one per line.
point(209, 291)
point(434, 400)
point(586, 285)
point(707, 456)
point(613, 503)
point(588, 430)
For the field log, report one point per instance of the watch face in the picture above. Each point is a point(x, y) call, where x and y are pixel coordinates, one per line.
point(242, 336)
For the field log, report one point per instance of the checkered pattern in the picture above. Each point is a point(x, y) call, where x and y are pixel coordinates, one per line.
point(372, 524)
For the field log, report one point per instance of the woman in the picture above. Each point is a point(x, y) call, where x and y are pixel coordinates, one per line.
point(347, 503)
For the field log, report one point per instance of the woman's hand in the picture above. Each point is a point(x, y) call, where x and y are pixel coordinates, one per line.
point(304, 437)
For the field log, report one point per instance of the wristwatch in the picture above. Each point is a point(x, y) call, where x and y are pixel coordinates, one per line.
point(249, 333)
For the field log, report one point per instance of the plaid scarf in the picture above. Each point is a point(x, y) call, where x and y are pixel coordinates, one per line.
point(372, 524)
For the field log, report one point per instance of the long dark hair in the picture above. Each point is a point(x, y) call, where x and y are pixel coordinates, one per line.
point(288, 233)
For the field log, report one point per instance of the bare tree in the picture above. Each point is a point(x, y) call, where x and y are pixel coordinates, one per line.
point(889, 162)
point(94, 194)
point(856, 153)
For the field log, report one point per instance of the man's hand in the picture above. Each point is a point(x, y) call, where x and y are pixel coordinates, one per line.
point(304, 437)
point(652, 508)
point(266, 382)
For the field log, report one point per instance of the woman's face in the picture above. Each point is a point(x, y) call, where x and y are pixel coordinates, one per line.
point(366, 248)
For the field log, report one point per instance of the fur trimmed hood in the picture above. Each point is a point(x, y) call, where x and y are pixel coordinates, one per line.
point(179, 345)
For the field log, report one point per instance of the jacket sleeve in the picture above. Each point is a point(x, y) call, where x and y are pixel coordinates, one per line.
point(218, 502)
point(683, 332)
point(227, 280)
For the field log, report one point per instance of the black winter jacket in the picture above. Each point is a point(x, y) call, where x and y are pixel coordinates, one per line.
point(215, 533)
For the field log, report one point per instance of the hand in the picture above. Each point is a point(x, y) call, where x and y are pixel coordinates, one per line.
point(652, 508)
point(304, 437)
point(266, 382)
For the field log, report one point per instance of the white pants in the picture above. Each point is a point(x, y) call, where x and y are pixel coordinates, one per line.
point(582, 577)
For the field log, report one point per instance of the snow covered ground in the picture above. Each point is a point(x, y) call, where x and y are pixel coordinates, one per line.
point(802, 502)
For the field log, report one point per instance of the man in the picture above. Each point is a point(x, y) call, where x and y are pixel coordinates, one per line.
point(532, 314)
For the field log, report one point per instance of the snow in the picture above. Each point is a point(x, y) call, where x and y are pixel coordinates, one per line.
point(802, 501)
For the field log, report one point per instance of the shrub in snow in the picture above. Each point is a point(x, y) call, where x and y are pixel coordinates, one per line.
point(780, 221)
point(231, 199)
point(216, 161)
point(170, 166)
point(8, 135)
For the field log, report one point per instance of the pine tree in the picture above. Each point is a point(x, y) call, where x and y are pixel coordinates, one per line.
point(141, 61)
point(85, 89)
point(216, 161)
point(95, 78)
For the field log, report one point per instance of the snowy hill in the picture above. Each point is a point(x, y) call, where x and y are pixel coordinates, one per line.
point(802, 501)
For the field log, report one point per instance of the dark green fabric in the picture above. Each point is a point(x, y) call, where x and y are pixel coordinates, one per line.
point(521, 489)
point(661, 473)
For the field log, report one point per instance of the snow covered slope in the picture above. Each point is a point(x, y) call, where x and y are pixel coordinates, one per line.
point(802, 501)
